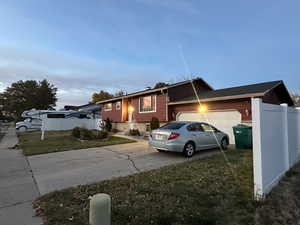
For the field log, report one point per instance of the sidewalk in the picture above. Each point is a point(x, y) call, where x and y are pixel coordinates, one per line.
point(17, 187)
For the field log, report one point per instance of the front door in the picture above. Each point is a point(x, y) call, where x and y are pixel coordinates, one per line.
point(130, 117)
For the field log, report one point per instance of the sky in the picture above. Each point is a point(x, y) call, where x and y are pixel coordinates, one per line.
point(84, 46)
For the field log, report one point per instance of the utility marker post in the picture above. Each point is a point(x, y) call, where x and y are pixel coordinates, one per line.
point(100, 210)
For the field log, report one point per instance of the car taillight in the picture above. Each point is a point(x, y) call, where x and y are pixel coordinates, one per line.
point(173, 136)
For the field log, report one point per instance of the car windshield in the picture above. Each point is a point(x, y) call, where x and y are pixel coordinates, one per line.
point(173, 126)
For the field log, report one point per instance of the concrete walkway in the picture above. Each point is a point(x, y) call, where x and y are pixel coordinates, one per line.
point(17, 186)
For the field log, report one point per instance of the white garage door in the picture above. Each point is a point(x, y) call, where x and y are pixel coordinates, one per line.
point(223, 120)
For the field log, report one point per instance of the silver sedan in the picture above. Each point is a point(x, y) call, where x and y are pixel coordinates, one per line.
point(187, 137)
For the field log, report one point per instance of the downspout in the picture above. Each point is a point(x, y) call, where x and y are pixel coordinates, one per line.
point(167, 106)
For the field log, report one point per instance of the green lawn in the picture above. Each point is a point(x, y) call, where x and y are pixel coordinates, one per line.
point(57, 141)
point(199, 192)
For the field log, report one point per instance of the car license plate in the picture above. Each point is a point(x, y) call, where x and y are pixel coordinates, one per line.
point(159, 137)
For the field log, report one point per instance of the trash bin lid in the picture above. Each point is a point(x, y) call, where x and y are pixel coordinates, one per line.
point(242, 126)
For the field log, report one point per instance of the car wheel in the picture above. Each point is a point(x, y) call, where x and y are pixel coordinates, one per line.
point(224, 144)
point(22, 129)
point(159, 150)
point(189, 150)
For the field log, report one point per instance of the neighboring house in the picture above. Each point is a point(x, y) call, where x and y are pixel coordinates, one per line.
point(224, 107)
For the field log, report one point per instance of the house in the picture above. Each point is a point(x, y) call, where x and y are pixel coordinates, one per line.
point(223, 108)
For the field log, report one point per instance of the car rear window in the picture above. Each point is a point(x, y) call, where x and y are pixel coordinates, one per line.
point(172, 126)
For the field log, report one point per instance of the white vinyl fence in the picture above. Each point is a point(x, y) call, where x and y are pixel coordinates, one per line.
point(69, 123)
point(276, 143)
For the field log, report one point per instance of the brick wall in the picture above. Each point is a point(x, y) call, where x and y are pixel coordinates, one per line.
point(114, 114)
point(161, 103)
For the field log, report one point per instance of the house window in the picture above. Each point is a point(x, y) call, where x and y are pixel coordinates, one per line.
point(118, 105)
point(107, 106)
point(148, 103)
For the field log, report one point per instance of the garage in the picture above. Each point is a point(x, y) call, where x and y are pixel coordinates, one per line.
point(224, 120)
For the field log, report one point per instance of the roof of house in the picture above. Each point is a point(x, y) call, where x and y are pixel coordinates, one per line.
point(246, 91)
point(152, 90)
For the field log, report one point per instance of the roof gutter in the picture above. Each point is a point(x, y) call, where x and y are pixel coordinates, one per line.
point(218, 98)
point(132, 95)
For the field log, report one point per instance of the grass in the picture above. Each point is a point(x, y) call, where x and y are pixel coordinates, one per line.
point(57, 141)
point(199, 192)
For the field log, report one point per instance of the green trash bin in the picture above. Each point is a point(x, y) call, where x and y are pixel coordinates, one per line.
point(243, 136)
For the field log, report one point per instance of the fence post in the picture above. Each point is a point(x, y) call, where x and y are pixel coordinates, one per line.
point(285, 129)
point(100, 210)
point(257, 149)
point(43, 128)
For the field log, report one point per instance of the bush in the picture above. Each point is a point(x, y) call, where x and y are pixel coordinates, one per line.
point(86, 134)
point(108, 125)
point(101, 135)
point(154, 124)
point(114, 130)
point(134, 132)
point(76, 132)
point(7, 118)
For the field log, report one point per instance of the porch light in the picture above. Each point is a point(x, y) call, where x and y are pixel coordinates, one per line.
point(130, 109)
point(202, 109)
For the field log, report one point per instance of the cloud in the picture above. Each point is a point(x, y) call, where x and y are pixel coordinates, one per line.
point(76, 78)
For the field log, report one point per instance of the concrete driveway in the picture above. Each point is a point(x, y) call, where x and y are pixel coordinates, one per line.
point(61, 170)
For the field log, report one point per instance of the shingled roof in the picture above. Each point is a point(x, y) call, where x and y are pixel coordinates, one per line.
point(246, 91)
point(152, 90)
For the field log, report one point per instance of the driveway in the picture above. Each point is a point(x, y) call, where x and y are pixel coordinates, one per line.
point(61, 170)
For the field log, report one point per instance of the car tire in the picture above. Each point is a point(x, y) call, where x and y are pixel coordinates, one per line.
point(224, 144)
point(159, 150)
point(22, 129)
point(189, 149)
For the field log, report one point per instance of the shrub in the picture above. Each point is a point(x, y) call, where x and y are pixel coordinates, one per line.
point(134, 132)
point(86, 134)
point(154, 124)
point(114, 130)
point(101, 135)
point(108, 125)
point(76, 132)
